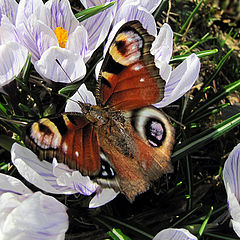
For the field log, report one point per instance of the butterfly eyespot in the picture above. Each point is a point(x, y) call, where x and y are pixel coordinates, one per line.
point(155, 132)
point(150, 124)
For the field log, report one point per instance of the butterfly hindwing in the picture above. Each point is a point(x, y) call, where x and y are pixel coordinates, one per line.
point(68, 137)
point(129, 78)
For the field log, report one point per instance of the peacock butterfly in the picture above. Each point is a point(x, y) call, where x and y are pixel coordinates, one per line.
point(122, 142)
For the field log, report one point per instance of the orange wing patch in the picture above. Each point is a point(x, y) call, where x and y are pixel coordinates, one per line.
point(129, 78)
point(69, 138)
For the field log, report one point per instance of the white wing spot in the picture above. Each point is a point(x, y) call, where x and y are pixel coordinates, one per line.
point(77, 154)
point(130, 39)
point(137, 67)
point(142, 80)
point(65, 147)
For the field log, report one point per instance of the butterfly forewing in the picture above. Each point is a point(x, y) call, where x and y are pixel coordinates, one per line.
point(129, 78)
point(68, 137)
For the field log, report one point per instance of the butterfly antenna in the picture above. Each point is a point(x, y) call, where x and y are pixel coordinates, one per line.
point(71, 82)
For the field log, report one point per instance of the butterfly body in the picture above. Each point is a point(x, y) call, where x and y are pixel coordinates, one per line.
point(121, 142)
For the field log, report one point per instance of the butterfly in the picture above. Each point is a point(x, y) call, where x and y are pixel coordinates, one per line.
point(122, 142)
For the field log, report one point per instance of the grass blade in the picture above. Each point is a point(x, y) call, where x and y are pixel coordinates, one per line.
point(81, 16)
point(203, 138)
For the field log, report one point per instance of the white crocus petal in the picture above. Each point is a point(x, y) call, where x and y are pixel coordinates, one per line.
point(98, 27)
point(81, 95)
point(61, 15)
point(234, 208)
point(35, 216)
point(164, 69)
point(88, 4)
point(180, 80)
point(231, 176)
point(162, 46)
point(134, 11)
point(231, 172)
point(174, 234)
point(9, 8)
point(37, 37)
point(72, 66)
point(28, 7)
point(12, 184)
point(13, 57)
point(106, 195)
point(38, 173)
point(8, 31)
point(98, 68)
point(236, 227)
point(74, 179)
point(151, 6)
point(78, 41)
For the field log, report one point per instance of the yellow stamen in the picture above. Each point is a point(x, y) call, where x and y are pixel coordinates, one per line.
point(62, 36)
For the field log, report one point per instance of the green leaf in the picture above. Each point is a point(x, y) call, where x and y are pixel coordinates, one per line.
point(202, 228)
point(200, 54)
point(6, 142)
point(200, 94)
point(205, 38)
point(26, 69)
point(216, 98)
point(203, 138)
point(81, 16)
point(70, 89)
point(117, 234)
point(184, 26)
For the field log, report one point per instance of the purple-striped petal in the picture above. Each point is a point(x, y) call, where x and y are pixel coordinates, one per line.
point(74, 179)
point(72, 64)
point(9, 8)
point(35, 216)
point(106, 195)
point(231, 178)
point(174, 234)
point(8, 32)
point(134, 11)
point(13, 57)
point(28, 7)
point(92, 3)
point(163, 44)
point(37, 37)
point(56, 178)
point(39, 173)
point(78, 41)
point(231, 172)
point(151, 6)
point(180, 80)
point(81, 95)
point(61, 15)
point(98, 27)
point(12, 184)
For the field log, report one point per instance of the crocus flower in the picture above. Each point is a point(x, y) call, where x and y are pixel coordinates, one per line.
point(57, 178)
point(231, 178)
point(12, 54)
point(174, 234)
point(124, 10)
point(25, 215)
point(50, 31)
